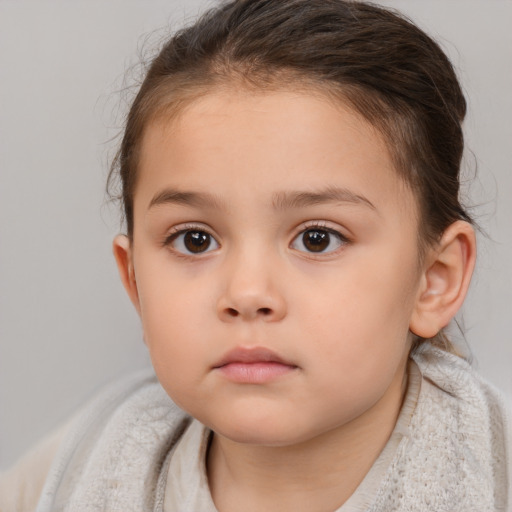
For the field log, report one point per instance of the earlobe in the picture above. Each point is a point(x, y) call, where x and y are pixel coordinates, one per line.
point(445, 281)
point(122, 250)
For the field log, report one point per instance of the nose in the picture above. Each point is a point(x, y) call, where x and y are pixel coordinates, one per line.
point(251, 292)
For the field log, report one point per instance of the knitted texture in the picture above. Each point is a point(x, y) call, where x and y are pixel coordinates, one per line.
point(111, 460)
point(454, 456)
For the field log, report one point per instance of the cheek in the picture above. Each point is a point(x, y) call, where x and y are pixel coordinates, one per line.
point(371, 297)
point(354, 359)
point(173, 315)
point(175, 336)
point(361, 320)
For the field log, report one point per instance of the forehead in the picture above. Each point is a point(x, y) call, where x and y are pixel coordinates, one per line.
point(267, 141)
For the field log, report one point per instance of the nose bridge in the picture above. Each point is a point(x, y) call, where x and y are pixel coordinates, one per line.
point(251, 289)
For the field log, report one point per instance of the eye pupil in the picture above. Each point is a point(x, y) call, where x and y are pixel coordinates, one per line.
point(197, 241)
point(316, 240)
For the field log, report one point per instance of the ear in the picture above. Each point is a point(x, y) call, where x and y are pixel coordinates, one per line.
point(445, 280)
point(123, 254)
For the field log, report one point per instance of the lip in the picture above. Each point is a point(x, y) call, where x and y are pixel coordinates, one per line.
point(253, 365)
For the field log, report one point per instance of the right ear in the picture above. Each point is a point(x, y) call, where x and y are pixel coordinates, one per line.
point(123, 254)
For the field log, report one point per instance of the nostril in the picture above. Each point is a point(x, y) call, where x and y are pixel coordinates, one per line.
point(232, 312)
point(265, 311)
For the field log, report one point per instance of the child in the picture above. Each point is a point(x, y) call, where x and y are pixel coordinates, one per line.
point(295, 246)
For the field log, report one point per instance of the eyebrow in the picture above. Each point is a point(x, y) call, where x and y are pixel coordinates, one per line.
point(172, 196)
point(281, 200)
point(301, 199)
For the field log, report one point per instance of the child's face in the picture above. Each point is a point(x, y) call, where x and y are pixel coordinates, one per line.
point(274, 222)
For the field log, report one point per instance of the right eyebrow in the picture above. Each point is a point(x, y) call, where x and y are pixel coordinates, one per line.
point(174, 196)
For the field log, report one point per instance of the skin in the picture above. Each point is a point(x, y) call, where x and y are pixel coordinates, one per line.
point(233, 167)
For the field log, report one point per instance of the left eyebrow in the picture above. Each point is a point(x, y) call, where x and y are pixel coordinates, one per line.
point(301, 199)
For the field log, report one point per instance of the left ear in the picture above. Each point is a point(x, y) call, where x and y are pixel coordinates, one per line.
point(445, 280)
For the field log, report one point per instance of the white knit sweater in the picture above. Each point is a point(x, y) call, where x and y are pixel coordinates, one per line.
point(450, 455)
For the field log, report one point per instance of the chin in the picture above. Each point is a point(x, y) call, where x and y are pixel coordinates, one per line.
point(258, 437)
point(262, 431)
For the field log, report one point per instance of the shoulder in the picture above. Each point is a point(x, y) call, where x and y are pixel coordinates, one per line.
point(117, 440)
point(455, 452)
point(453, 388)
point(21, 485)
point(461, 432)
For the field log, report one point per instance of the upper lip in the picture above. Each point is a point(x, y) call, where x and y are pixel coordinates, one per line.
point(251, 355)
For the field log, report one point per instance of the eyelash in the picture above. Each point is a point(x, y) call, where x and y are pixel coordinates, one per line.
point(322, 226)
point(182, 230)
point(309, 226)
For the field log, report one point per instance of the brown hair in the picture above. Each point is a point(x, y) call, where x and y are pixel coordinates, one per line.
point(386, 68)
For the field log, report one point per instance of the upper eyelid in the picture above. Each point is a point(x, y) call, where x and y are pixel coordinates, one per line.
point(322, 225)
point(190, 226)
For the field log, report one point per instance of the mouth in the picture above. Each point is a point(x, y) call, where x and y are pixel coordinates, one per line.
point(253, 366)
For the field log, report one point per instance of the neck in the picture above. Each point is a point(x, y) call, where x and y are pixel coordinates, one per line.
point(316, 475)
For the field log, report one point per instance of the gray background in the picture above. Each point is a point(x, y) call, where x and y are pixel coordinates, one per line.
point(66, 327)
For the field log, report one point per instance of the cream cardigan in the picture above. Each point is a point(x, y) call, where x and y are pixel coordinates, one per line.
point(450, 450)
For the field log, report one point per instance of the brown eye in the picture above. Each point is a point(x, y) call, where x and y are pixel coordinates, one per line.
point(193, 242)
point(315, 240)
point(318, 240)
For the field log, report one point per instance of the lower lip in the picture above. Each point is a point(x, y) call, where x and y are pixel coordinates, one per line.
point(255, 373)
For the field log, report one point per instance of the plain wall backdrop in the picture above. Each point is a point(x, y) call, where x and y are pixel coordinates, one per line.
point(66, 327)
